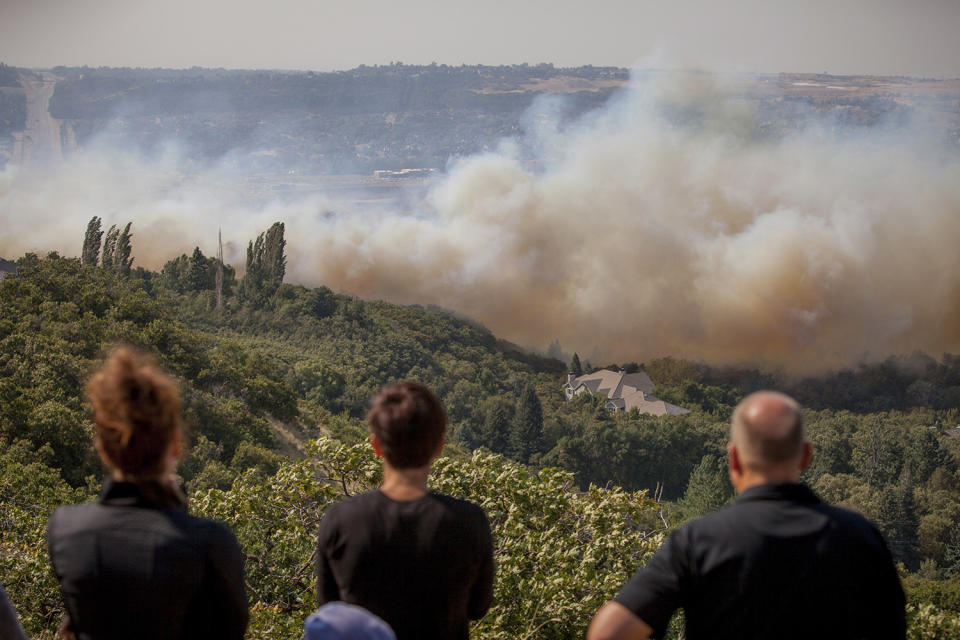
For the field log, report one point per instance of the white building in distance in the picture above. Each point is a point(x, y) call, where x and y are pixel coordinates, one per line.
point(624, 391)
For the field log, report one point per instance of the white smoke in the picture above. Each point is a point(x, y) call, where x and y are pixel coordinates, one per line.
point(634, 231)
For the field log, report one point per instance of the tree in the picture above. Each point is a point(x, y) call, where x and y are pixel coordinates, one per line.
point(495, 432)
point(671, 372)
point(708, 489)
point(951, 557)
point(122, 260)
point(198, 276)
point(91, 242)
point(897, 520)
point(575, 367)
point(526, 436)
point(266, 262)
point(274, 260)
point(110, 247)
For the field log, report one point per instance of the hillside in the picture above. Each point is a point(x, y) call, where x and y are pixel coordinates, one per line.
point(275, 382)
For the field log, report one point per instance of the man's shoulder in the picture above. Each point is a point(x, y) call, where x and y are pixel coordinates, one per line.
point(352, 506)
point(774, 508)
point(459, 506)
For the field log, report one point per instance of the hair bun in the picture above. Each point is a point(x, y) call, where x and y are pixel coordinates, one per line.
point(136, 411)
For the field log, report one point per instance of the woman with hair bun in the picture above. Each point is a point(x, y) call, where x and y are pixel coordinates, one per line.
point(135, 564)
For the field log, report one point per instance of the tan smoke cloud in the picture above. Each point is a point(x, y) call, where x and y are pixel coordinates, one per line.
point(635, 237)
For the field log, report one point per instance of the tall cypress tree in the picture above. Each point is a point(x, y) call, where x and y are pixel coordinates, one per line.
point(122, 260)
point(526, 436)
point(110, 247)
point(266, 262)
point(274, 259)
point(91, 242)
point(253, 279)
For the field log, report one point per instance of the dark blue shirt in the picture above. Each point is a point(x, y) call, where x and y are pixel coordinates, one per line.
point(777, 564)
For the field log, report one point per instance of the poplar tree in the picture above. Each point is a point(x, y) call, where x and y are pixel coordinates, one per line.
point(274, 260)
point(253, 280)
point(91, 242)
point(122, 260)
point(266, 261)
point(109, 247)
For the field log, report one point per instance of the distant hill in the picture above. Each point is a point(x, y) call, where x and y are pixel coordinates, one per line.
point(407, 116)
point(388, 117)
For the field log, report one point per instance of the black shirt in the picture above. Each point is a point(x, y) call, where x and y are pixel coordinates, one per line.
point(425, 566)
point(778, 563)
point(10, 628)
point(130, 566)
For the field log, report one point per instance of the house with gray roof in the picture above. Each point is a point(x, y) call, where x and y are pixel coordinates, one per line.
point(624, 391)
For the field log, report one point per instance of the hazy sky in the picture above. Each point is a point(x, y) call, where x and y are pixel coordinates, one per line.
point(908, 37)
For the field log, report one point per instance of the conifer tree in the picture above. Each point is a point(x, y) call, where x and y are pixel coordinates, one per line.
point(897, 520)
point(575, 367)
point(91, 242)
point(109, 247)
point(122, 260)
point(708, 488)
point(198, 274)
point(495, 432)
point(526, 436)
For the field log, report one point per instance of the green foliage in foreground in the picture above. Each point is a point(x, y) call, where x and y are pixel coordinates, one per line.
point(29, 492)
point(560, 553)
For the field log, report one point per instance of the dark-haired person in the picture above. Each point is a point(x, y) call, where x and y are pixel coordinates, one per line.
point(421, 561)
point(10, 628)
point(135, 564)
point(777, 564)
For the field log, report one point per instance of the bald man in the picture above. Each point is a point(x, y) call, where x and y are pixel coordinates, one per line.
point(778, 564)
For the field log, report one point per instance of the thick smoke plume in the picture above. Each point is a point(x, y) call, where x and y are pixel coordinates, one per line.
point(629, 234)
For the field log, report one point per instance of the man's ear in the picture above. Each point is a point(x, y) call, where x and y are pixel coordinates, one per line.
point(736, 465)
point(377, 448)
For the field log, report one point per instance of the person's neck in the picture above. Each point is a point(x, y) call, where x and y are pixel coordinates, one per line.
point(750, 479)
point(404, 484)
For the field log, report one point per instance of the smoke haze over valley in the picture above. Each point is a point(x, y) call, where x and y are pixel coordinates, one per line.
point(678, 218)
